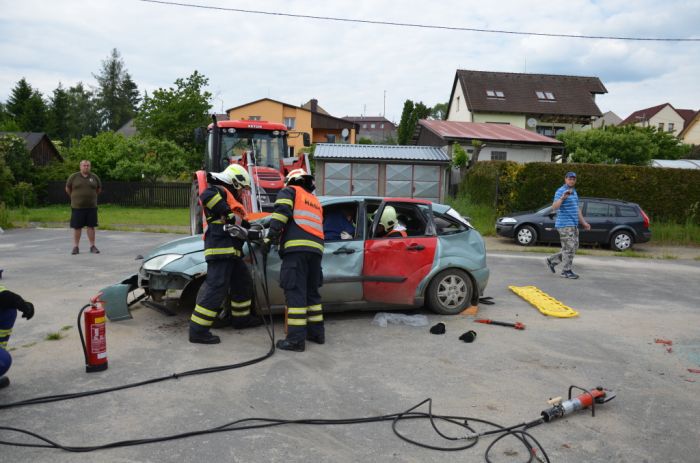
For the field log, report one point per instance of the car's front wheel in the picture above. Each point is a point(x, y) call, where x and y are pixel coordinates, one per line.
point(526, 236)
point(450, 292)
point(622, 241)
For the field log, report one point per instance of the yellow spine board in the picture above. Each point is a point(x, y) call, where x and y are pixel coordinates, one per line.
point(543, 301)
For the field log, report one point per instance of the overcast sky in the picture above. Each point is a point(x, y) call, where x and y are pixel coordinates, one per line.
point(349, 66)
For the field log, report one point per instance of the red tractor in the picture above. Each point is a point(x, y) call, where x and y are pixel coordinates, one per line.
point(260, 147)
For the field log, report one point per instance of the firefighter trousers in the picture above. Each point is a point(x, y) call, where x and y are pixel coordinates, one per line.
point(7, 321)
point(301, 277)
point(224, 277)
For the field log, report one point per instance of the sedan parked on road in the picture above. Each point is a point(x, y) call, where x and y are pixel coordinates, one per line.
point(616, 223)
point(440, 264)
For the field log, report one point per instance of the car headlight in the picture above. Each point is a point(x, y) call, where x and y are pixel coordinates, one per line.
point(159, 262)
point(507, 220)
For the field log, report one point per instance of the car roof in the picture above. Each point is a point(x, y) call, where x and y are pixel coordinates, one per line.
point(328, 200)
point(610, 200)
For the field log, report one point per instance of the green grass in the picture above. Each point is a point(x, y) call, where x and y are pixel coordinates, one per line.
point(630, 253)
point(110, 217)
point(483, 217)
point(673, 233)
point(54, 336)
point(66, 327)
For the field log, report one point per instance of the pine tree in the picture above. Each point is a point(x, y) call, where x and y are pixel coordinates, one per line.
point(117, 94)
point(57, 117)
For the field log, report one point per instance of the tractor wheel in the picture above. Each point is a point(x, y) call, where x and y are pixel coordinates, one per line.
point(196, 226)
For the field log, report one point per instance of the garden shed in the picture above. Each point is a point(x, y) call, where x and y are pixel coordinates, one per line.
point(382, 170)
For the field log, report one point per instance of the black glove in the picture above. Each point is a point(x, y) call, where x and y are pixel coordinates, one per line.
point(256, 232)
point(28, 311)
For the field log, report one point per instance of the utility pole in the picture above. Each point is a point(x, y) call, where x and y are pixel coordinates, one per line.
point(384, 110)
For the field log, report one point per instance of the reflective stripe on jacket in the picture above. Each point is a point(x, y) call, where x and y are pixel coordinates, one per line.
point(298, 221)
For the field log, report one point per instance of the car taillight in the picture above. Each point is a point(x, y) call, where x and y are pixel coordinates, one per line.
point(646, 218)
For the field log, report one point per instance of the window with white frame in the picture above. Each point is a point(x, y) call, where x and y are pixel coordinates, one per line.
point(495, 94)
point(499, 155)
point(545, 96)
point(671, 126)
point(373, 126)
point(290, 122)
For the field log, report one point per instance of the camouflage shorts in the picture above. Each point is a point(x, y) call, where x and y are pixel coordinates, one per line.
point(569, 245)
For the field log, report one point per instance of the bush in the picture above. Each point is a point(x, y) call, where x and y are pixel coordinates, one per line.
point(671, 195)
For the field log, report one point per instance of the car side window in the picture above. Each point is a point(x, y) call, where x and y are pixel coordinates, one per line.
point(627, 211)
point(339, 222)
point(594, 209)
point(447, 226)
point(410, 221)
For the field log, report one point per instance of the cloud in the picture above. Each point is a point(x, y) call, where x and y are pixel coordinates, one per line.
point(348, 67)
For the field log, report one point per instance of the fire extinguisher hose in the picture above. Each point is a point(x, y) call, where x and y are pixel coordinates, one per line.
point(80, 332)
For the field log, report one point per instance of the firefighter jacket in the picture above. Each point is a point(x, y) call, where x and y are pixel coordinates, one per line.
point(220, 207)
point(297, 221)
point(397, 234)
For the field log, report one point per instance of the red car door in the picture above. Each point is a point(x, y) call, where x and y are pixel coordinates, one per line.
point(393, 266)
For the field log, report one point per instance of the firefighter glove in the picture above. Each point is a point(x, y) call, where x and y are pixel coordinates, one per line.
point(236, 231)
point(28, 311)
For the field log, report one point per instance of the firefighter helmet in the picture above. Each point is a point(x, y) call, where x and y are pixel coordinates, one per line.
point(234, 175)
point(297, 176)
point(388, 219)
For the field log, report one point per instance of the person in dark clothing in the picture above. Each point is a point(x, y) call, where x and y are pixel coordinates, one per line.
point(296, 225)
point(227, 274)
point(10, 304)
point(338, 225)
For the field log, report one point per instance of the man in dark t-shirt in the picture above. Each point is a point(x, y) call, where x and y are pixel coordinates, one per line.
point(83, 188)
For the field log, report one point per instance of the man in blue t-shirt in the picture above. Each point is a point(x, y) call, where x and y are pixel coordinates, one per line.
point(568, 218)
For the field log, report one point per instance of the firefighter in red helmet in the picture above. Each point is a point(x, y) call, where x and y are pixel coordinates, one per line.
point(227, 274)
point(297, 226)
point(10, 304)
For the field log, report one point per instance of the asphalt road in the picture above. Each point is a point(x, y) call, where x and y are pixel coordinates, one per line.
point(505, 376)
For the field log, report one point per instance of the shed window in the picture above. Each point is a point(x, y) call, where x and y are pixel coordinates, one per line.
point(499, 155)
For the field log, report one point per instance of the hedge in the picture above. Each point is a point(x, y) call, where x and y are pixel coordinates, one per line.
point(665, 194)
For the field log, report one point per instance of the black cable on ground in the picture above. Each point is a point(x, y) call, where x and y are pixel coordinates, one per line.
point(518, 431)
point(269, 327)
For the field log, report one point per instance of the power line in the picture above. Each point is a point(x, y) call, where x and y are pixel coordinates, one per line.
point(423, 26)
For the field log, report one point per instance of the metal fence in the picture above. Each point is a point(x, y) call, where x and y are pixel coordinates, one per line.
point(142, 194)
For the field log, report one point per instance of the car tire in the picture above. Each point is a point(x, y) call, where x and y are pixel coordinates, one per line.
point(450, 292)
point(526, 236)
point(196, 226)
point(621, 241)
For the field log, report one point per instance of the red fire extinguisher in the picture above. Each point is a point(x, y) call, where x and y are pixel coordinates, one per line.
point(95, 340)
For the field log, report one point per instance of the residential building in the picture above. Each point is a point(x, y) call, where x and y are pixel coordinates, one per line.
point(691, 130)
point(322, 127)
point(500, 141)
point(376, 128)
point(543, 103)
point(40, 147)
point(608, 119)
point(664, 117)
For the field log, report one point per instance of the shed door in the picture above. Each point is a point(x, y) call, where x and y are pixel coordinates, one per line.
point(413, 181)
point(345, 179)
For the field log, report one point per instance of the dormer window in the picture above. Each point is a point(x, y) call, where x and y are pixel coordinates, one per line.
point(546, 96)
point(495, 94)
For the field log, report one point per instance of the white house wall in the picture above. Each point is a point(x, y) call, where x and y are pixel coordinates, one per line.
point(458, 107)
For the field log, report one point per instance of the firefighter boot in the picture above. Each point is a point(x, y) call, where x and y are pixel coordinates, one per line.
point(316, 333)
point(249, 321)
point(296, 336)
point(4, 382)
point(201, 335)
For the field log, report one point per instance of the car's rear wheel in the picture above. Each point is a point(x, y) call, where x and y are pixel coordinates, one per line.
point(450, 292)
point(622, 241)
point(526, 235)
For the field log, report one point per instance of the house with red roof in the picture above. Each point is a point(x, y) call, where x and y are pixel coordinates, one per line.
point(664, 117)
point(542, 103)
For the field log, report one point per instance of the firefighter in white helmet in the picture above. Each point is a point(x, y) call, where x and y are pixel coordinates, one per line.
point(227, 274)
point(389, 226)
point(297, 226)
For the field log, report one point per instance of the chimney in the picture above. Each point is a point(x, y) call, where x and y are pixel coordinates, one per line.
point(314, 105)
